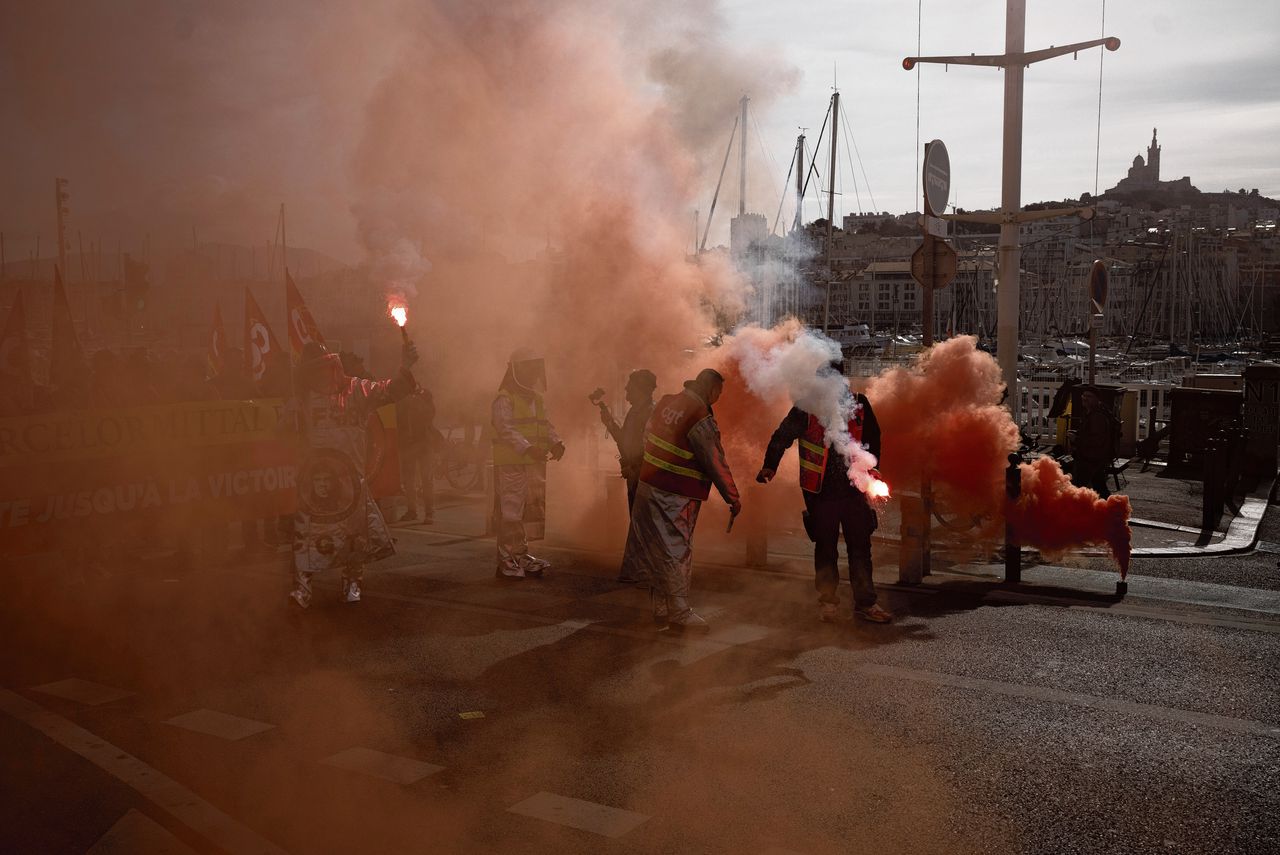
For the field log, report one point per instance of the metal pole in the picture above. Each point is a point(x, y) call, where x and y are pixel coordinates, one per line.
point(742, 161)
point(800, 176)
point(831, 208)
point(1008, 307)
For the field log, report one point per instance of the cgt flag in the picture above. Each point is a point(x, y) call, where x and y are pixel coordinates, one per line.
point(66, 359)
point(260, 346)
point(302, 327)
point(15, 355)
point(217, 344)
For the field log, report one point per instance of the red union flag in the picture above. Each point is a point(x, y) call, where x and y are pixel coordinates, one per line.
point(217, 343)
point(66, 359)
point(260, 345)
point(15, 356)
point(302, 327)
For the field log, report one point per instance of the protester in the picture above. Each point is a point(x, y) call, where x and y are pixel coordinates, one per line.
point(682, 458)
point(338, 524)
point(415, 437)
point(524, 439)
point(833, 504)
point(630, 436)
point(1094, 444)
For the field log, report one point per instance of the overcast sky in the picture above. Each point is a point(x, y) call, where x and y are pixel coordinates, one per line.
point(1207, 74)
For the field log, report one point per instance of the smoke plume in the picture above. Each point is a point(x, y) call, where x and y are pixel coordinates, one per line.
point(1053, 515)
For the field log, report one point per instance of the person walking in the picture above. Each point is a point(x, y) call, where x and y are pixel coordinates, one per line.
point(1093, 446)
point(524, 440)
point(833, 504)
point(338, 524)
point(682, 458)
point(415, 436)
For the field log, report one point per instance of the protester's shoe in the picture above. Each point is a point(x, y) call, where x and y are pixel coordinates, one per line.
point(873, 613)
point(690, 622)
point(827, 612)
point(300, 598)
point(660, 614)
point(509, 571)
point(350, 591)
point(535, 567)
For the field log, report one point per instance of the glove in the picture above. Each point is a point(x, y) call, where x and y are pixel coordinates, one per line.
point(764, 476)
point(557, 451)
point(735, 508)
point(537, 453)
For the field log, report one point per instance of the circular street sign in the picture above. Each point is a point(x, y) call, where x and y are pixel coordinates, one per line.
point(1098, 285)
point(936, 178)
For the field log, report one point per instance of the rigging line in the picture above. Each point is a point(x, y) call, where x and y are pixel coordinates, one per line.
point(848, 153)
point(866, 182)
point(813, 162)
point(917, 190)
point(782, 199)
point(1097, 149)
point(711, 214)
point(773, 167)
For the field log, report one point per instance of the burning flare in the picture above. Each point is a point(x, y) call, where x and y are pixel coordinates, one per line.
point(400, 314)
point(877, 489)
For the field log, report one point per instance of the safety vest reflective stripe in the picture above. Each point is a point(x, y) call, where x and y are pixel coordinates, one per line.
point(666, 446)
point(530, 419)
point(810, 466)
point(814, 452)
point(669, 463)
point(671, 467)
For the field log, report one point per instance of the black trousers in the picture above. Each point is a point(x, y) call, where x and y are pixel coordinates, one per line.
point(828, 516)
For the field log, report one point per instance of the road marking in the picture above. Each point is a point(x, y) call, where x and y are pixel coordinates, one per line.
point(221, 725)
point(576, 813)
point(164, 792)
point(135, 832)
point(82, 691)
point(1076, 699)
point(377, 764)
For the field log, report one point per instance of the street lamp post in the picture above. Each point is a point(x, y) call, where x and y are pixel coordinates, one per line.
point(1014, 61)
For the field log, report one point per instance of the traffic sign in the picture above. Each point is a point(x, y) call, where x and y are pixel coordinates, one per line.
point(936, 178)
point(933, 264)
point(1098, 286)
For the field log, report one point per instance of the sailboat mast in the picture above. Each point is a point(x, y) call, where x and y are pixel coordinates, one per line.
point(800, 176)
point(742, 161)
point(831, 176)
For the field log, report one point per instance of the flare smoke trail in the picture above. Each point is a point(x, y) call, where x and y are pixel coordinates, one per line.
point(792, 361)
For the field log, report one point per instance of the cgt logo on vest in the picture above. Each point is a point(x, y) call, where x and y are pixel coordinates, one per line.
point(670, 415)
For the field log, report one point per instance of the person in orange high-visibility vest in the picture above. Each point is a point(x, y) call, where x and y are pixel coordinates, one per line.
point(832, 503)
point(523, 440)
point(682, 459)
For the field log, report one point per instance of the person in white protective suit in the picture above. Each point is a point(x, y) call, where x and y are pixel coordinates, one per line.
point(683, 457)
point(338, 524)
point(523, 441)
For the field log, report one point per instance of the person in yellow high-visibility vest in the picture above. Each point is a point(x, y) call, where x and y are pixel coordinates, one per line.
point(523, 440)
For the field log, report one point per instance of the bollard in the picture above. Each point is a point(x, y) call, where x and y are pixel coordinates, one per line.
point(911, 540)
point(1012, 550)
point(1215, 459)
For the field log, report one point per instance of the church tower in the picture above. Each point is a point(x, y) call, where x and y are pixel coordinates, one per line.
point(1153, 158)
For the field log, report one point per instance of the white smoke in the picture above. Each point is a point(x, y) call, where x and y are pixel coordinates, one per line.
point(796, 365)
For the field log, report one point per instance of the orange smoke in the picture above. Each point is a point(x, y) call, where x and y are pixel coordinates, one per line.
point(942, 417)
point(1053, 515)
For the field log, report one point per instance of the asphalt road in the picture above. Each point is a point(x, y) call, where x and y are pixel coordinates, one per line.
point(453, 713)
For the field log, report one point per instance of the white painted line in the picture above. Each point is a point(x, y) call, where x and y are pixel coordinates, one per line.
point(83, 691)
point(164, 792)
point(221, 725)
point(575, 813)
point(1245, 726)
point(136, 833)
point(388, 767)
